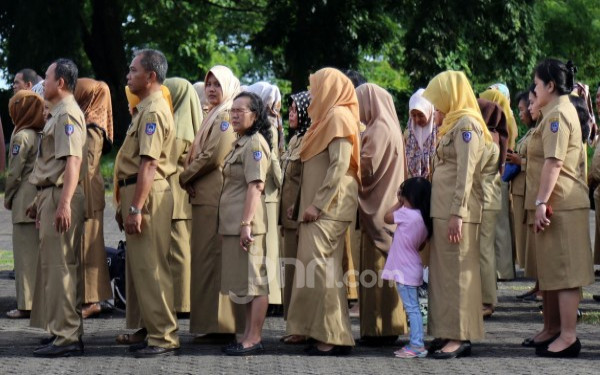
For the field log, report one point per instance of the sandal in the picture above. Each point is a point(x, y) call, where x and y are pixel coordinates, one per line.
point(130, 339)
point(18, 314)
point(408, 352)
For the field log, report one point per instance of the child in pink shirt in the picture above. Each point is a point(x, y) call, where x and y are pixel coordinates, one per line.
point(403, 264)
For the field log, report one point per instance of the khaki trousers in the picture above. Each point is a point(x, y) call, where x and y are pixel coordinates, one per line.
point(180, 263)
point(520, 229)
point(487, 257)
point(272, 253)
point(26, 246)
point(290, 252)
point(96, 280)
point(505, 265)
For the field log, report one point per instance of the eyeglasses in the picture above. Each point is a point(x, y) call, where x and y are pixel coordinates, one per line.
point(238, 111)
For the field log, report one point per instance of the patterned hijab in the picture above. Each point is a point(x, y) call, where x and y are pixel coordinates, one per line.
point(421, 141)
point(93, 98)
point(26, 109)
point(302, 100)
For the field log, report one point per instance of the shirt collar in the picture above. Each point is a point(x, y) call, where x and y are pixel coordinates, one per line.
point(242, 140)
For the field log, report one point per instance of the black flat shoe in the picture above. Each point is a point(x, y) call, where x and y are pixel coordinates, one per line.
point(215, 339)
point(47, 340)
point(570, 352)
point(54, 351)
point(337, 350)
point(377, 341)
point(231, 344)
point(530, 343)
point(464, 350)
point(138, 346)
point(436, 344)
point(153, 351)
point(526, 294)
point(239, 350)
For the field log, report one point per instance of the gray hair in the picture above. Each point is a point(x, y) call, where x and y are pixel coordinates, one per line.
point(154, 61)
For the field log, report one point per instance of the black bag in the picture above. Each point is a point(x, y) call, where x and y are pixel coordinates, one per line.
point(116, 269)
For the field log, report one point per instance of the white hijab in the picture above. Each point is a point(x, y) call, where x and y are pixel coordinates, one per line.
point(418, 102)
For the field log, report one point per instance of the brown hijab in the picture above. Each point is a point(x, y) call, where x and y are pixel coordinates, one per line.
point(93, 98)
point(494, 117)
point(382, 161)
point(26, 110)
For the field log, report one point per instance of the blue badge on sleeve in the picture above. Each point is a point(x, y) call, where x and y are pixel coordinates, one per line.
point(224, 126)
point(69, 129)
point(257, 155)
point(15, 149)
point(467, 136)
point(554, 126)
point(150, 128)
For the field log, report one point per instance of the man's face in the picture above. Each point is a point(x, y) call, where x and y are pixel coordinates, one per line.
point(19, 84)
point(51, 83)
point(137, 78)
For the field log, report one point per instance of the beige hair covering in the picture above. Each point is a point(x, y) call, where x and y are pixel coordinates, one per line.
point(187, 114)
point(93, 98)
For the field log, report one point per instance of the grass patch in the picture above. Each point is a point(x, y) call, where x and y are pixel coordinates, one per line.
point(591, 317)
point(6, 260)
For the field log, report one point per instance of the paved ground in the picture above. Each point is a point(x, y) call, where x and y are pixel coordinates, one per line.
point(499, 353)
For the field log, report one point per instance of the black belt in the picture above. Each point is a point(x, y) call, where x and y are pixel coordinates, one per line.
point(40, 188)
point(127, 181)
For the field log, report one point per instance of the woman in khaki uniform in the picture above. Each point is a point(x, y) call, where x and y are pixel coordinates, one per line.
point(93, 98)
point(26, 111)
point(454, 279)
point(187, 117)
point(212, 313)
point(290, 187)
point(382, 316)
point(330, 153)
point(243, 219)
point(555, 184)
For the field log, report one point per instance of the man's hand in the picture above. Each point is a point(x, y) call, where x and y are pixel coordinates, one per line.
point(312, 213)
point(62, 218)
point(133, 224)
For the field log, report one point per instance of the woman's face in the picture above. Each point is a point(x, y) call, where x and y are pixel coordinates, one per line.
point(293, 116)
point(534, 109)
point(418, 118)
point(242, 118)
point(438, 117)
point(46, 110)
point(545, 92)
point(213, 91)
point(524, 113)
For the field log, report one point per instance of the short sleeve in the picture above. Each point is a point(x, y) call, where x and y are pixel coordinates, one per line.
point(555, 137)
point(69, 137)
point(151, 135)
point(256, 162)
point(399, 216)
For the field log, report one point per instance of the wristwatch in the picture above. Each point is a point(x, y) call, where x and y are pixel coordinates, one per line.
point(133, 210)
point(539, 203)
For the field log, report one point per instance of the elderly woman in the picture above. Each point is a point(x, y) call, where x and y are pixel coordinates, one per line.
point(26, 111)
point(557, 199)
point(382, 316)
point(420, 136)
point(328, 203)
point(212, 313)
point(456, 199)
point(243, 221)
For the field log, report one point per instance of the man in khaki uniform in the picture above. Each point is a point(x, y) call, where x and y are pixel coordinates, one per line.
point(145, 208)
point(57, 174)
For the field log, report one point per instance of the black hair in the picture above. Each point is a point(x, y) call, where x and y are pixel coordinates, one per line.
point(417, 191)
point(583, 114)
point(523, 96)
point(154, 61)
point(261, 124)
point(532, 89)
point(67, 70)
point(356, 78)
point(29, 75)
point(563, 75)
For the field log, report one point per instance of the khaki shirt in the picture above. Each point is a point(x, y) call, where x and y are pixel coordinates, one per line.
point(64, 135)
point(456, 180)
point(558, 135)
point(21, 158)
point(490, 177)
point(93, 183)
point(151, 134)
point(273, 183)
point(292, 170)
point(205, 172)
point(517, 185)
point(328, 184)
point(248, 161)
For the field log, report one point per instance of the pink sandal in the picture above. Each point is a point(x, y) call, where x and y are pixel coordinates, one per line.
point(408, 352)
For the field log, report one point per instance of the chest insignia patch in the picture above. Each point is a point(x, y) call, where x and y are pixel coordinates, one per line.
point(257, 155)
point(554, 126)
point(69, 129)
point(224, 126)
point(15, 149)
point(466, 136)
point(150, 128)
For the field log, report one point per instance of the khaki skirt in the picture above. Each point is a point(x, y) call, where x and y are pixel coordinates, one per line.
point(244, 273)
point(563, 251)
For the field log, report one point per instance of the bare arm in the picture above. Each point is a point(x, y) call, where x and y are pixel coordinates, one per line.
point(255, 189)
point(389, 216)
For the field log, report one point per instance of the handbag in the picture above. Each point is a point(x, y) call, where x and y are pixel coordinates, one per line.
point(510, 172)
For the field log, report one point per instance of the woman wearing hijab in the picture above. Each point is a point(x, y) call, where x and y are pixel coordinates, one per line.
point(505, 264)
point(204, 105)
point(290, 186)
point(212, 313)
point(382, 316)
point(454, 283)
point(26, 111)
point(420, 136)
point(187, 117)
point(330, 154)
point(271, 99)
point(491, 181)
point(93, 98)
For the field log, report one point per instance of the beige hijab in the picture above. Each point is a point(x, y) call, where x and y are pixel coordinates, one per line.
point(231, 87)
point(187, 114)
point(381, 160)
point(93, 98)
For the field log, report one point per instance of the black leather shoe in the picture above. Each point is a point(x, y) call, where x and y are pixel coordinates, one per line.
point(47, 340)
point(337, 350)
point(239, 350)
point(436, 344)
point(464, 350)
point(530, 343)
point(571, 352)
point(138, 346)
point(153, 351)
point(54, 351)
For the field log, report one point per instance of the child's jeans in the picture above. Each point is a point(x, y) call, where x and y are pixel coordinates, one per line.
point(410, 300)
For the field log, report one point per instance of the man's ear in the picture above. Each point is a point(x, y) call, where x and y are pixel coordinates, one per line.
point(61, 84)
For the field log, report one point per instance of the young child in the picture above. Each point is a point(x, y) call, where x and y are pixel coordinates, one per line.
point(403, 264)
